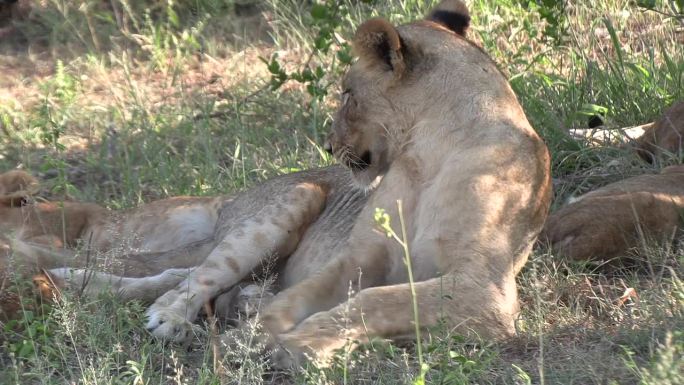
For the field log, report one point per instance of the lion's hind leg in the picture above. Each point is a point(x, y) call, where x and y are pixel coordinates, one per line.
point(387, 312)
point(275, 230)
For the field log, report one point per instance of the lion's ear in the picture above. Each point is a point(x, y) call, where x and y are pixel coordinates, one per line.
point(377, 42)
point(452, 14)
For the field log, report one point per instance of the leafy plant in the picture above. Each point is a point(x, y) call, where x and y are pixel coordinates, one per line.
point(554, 15)
point(28, 333)
point(671, 8)
point(331, 51)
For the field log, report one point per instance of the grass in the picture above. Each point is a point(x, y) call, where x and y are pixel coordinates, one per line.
point(125, 102)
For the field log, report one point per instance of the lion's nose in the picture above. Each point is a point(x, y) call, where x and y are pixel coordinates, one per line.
point(327, 146)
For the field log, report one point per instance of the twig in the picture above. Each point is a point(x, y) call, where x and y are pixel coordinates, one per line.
point(679, 17)
point(87, 273)
point(57, 293)
point(412, 285)
point(117, 15)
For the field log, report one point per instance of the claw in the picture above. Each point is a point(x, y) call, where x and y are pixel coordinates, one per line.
point(167, 325)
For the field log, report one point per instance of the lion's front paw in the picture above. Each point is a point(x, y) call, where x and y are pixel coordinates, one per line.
point(169, 322)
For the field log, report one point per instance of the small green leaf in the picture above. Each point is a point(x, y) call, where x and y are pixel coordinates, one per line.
point(322, 42)
point(593, 109)
point(319, 12)
point(344, 56)
point(26, 349)
point(649, 4)
point(173, 17)
point(307, 75)
point(382, 220)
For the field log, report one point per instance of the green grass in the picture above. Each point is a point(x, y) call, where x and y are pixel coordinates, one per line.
point(156, 99)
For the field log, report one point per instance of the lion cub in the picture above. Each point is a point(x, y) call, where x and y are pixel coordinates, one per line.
point(43, 235)
point(664, 136)
point(614, 219)
point(154, 227)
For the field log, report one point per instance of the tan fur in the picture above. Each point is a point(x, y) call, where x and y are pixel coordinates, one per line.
point(369, 38)
point(16, 185)
point(274, 230)
point(267, 221)
point(665, 136)
point(426, 119)
point(618, 218)
point(154, 227)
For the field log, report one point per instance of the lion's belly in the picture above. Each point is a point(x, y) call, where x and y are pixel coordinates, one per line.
point(169, 224)
point(183, 226)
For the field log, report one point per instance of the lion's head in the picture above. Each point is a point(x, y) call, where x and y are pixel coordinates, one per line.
point(664, 137)
point(390, 87)
point(17, 185)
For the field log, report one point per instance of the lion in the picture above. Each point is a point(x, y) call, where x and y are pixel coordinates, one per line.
point(17, 185)
point(618, 218)
point(158, 226)
point(265, 221)
point(429, 113)
point(664, 136)
point(428, 123)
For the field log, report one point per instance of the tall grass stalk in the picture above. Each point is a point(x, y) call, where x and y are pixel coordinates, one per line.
point(384, 221)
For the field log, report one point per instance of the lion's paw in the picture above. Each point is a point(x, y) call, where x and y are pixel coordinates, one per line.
point(168, 324)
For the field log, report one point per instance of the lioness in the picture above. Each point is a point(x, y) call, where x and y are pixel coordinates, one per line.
point(610, 221)
point(428, 112)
